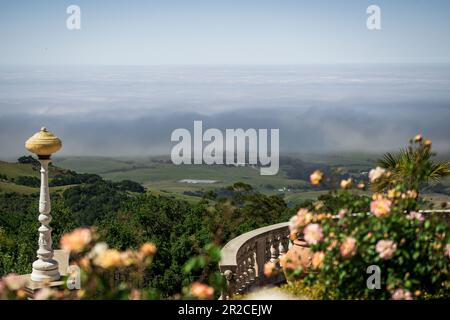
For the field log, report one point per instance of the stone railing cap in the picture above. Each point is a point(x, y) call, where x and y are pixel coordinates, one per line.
point(230, 250)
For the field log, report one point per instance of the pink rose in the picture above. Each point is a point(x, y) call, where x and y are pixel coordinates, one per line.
point(413, 215)
point(386, 249)
point(316, 177)
point(342, 213)
point(14, 281)
point(376, 174)
point(348, 247)
point(301, 219)
point(401, 294)
point(269, 269)
point(202, 291)
point(313, 233)
point(318, 259)
point(346, 184)
point(77, 240)
point(380, 207)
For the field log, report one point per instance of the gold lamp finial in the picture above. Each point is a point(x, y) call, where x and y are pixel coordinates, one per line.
point(43, 143)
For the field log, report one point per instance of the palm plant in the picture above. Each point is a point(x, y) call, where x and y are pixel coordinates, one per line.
point(412, 167)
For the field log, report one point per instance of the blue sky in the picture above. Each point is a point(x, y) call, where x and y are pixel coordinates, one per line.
point(121, 32)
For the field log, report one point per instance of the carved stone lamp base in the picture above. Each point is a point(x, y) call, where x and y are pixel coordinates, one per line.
point(45, 270)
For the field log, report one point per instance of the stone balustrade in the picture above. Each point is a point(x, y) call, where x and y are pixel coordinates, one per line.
point(243, 258)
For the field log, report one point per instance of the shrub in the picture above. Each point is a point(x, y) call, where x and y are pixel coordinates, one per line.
point(128, 185)
point(28, 181)
point(70, 178)
point(412, 249)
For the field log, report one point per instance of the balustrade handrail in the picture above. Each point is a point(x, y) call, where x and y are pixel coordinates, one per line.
point(230, 250)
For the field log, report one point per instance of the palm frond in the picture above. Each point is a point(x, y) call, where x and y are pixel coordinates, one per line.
point(439, 170)
point(389, 161)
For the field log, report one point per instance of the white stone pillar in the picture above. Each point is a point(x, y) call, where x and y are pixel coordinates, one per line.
point(45, 268)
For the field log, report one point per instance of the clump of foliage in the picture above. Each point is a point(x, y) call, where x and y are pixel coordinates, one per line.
point(29, 160)
point(71, 178)
point(28, 181)
point(413, 167)
point(93, 202)
point(128, 185)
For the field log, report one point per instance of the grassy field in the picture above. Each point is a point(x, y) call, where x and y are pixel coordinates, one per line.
point(167, 175)
point(96, 165)
point(12, 187)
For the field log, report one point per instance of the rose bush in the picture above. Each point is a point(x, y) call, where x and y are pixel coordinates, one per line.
point(411, 249)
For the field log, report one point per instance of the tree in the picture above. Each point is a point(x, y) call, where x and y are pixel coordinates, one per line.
point(128, 185)
point(29, 160)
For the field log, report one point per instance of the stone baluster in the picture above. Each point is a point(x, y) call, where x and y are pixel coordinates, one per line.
point(267, 251)
point(249, 266)
point(256, 265)
point(244, 275)
point(231, 285)
point(281, 247)
point(237, 289)
point(240, 282)
point(273, 250)
point(251, 270)
point(260, 257)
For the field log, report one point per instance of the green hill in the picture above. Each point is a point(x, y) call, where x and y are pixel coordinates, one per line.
point(14, 170)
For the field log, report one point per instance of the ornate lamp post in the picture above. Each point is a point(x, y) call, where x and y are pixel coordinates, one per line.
point(44, 144)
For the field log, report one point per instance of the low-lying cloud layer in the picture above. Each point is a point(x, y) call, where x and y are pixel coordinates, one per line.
point(132, 111)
